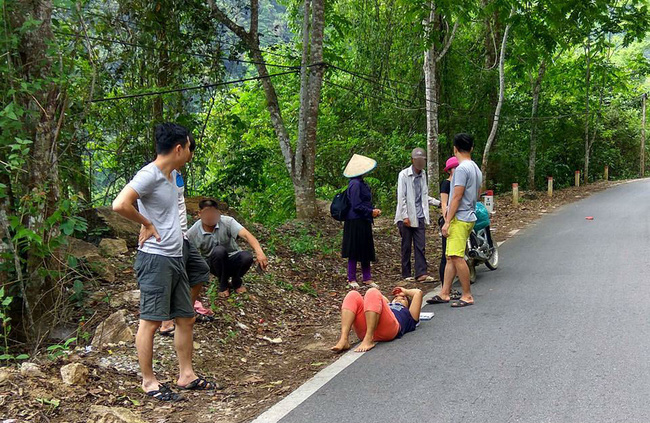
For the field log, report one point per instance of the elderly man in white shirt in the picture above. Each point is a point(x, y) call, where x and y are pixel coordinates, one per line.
point(412, 215)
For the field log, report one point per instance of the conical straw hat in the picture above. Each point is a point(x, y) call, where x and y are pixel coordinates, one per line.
point(359, 165)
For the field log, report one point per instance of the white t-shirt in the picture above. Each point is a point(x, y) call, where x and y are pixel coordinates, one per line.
point(158, 202)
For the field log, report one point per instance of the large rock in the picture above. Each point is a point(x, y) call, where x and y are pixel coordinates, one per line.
point(126, 298)
point(113, 247)
point(87, 252)
point(5, 375)
point(74, 374)
point(102, 414)
point(112, 331)
point(102, 268)
point(81, 249)
point(112, 224)
point(31, 370)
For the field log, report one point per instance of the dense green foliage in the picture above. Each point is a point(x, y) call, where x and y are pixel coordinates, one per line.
point(372, 101)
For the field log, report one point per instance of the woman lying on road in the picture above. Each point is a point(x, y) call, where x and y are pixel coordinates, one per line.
point(375, 319)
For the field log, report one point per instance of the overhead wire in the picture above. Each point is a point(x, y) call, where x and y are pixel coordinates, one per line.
point(136, 45)
point(197, 87)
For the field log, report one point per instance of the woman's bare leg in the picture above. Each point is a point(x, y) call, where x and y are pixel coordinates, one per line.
point(347, 320)
point(372, 320)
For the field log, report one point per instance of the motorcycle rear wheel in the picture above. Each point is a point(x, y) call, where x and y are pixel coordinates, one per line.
point(493, 262)
point(472, 271)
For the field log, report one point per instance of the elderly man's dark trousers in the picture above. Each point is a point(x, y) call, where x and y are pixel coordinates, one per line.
point(413, 237)
point(226, 267)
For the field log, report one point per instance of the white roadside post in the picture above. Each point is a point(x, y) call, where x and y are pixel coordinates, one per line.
point(488, 201)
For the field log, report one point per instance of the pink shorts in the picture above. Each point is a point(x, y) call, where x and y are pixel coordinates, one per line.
point(388, 326)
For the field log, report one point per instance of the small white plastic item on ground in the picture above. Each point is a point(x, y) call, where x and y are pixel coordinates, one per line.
point(426, 315)
point(272, 340)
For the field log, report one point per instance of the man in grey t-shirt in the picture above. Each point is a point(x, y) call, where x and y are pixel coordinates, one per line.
point(215, 236)
point(467, 175)
point(159, 266)
point(460, 219)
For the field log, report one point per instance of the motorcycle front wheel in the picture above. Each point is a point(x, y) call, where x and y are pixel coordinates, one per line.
point(493, 261)
point(472, 271)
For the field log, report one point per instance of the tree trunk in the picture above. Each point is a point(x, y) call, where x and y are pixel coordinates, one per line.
point(432, 93)
point(491, 43)
point(33, 64)
point(301, 164)
point(162, 80)
point(642, 153)
point(306, 146)
point(594, 129)
point(304, 70)
point(587, 84)
point(497, 111)
point(431, 98)
point(532, 157)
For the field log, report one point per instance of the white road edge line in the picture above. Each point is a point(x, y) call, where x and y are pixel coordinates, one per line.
point(297, 397)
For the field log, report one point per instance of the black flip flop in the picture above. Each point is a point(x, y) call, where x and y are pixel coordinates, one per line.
point(203, 318)
point(200, 384)
point(460, 303)
point(168, 332)
point(164, 393)
point(436, 300)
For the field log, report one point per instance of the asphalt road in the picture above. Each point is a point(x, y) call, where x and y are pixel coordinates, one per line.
point(559, 333)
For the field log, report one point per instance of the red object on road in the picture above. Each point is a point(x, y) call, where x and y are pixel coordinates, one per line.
point(589, 218)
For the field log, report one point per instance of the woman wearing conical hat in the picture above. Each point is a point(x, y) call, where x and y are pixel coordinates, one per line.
point(358, 245)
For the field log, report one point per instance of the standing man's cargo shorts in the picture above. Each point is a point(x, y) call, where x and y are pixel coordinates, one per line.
point(164, 287)
point(198, 271)
point(458, 235)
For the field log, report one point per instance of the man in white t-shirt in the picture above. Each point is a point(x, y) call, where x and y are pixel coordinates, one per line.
point(159, 266)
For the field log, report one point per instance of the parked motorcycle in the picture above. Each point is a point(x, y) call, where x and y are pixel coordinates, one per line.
point(480, 247)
